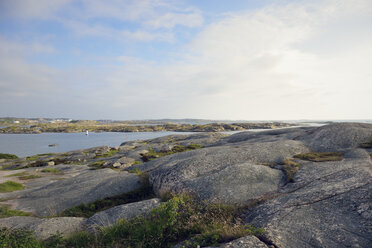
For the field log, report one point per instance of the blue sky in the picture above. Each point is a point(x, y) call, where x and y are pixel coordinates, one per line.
point(141, 59)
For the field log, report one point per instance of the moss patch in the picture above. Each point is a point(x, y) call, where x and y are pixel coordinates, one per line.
point(10, 186)
point(7, 156)
point(320, 156)
point(6, 212)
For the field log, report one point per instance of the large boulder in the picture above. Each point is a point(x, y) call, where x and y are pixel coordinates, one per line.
point(45, 228)
point(86, 187)
point(111, 216)
point(229, 173)
point(337, 137)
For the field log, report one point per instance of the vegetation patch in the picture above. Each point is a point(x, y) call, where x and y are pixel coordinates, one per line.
point(7, 156)
point(320, 156)
point(96, 165)
point(137, 162)
point(52, 170)
point(18, 238)
point(28, 177)
point(151, 154)
point(366, 144)
point(35, 157)
point(6, 212)
point(180, 218)
point(10, 186)
point(110, 153)
point(290, 167)
point(17, 174)
point(145, 192)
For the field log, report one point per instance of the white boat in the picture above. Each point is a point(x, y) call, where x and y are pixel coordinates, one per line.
point(86, 132)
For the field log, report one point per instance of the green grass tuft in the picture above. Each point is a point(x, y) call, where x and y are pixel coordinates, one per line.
point(110, 153)
point(17, 174)
point(290, 168)
point(52, 170)
point(96, 165)
point(151, 154)
point(10, 186)
point(320, 156)
point(7, 156)
point(28, 177)
point(6, 212)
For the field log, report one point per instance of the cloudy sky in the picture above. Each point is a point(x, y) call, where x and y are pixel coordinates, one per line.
point(211, 59)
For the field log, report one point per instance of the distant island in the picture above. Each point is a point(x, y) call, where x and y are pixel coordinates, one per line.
point(65, 125)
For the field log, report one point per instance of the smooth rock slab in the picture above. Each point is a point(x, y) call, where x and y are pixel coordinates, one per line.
point(86, 187)
point(229, 174)
point(111, 216)
point(245, 242)
point(44, 228)
point(330, 205)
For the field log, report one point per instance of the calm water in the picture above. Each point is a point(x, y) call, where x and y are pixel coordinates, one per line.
point(29, 144)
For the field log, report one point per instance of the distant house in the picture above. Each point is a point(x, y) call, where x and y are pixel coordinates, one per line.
point(16, 122)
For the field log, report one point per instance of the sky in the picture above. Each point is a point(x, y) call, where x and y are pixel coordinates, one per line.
point(208, 59)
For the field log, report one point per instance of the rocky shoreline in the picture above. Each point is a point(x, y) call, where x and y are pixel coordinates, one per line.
point(304, 187)
point(93, 126)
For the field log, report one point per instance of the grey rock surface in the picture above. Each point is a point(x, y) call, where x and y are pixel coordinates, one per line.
point(245, 242)
point(329, 205)
point(44, 228)
point(230, 173)
point(337, 137)
point(86, 187)
point(111, 216)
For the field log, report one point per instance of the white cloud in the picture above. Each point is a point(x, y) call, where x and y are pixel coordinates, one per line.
point(88, 17)
point(279, 62)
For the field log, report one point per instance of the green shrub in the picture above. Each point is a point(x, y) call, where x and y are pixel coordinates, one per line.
point(7, 156)
point(10, 186)
point(320, 156)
